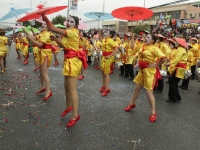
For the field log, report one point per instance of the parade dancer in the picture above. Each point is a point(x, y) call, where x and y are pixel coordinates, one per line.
point(176, 70)
point(44, 58)
point(147, 74)
point(74, 58)
point(17, 44)
point(3, 50)
point(109, 49)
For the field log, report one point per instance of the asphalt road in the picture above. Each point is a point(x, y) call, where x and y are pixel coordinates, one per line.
point(29, 123)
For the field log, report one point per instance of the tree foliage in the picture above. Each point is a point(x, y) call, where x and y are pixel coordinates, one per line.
point(28, 23)
point(59, 19)
point(137, 29)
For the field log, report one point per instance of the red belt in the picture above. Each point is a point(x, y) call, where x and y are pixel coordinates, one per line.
point(106, 53)
point(81, 47)
point(48, 46)
point(70, 53)
point(181, 65)
point(26, 44)
point(143, 64)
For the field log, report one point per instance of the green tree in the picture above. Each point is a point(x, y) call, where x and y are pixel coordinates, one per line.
point(137, 29)
point(28, 23)
point(59, 19)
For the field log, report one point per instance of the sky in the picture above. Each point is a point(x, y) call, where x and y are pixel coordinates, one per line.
point(83, 7)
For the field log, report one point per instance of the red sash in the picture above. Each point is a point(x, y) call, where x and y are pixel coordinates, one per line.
point(70, 53)
point(181, 65)
point(48, 46)
point(143, 64)
point(106, 53)
point(26, 44)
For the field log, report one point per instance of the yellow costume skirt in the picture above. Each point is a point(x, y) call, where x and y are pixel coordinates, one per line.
point(24, 49)
point(18, 46)
point(129, 59)
point(106, 65)
point(3, 51)
point(72, 67)
point(42, 54)
point(146, 78)
point(35, 51)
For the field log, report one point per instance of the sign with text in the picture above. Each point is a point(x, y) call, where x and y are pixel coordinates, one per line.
point(73, 5)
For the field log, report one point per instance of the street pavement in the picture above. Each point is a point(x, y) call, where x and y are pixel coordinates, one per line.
point(29, 123)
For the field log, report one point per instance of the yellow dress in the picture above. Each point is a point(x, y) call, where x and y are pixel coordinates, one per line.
point(129, 55)
point(108, 45)
point(56, 46)
point(167, 51)
point(122, 48)
point(24, 46)
point(180, 56)
point(17, 44)
point(90, 49)
point(189, 59)
point(44, 37)
point(146, 76)
point(3, 47)
point(118, 40)
point(72, 66)
point(35, 48)
point(195, 51)
point(98, 45)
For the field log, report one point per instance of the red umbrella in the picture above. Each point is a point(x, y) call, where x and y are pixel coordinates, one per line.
point(41, 11)
point(132, 13)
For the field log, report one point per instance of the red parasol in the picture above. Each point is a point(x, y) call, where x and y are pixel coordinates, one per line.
point(41, 11)
point(132, 13)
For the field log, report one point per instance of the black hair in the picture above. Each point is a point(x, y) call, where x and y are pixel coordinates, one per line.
point(112, 33)
point(161, 39)
point(153, 37)
point(76, 19)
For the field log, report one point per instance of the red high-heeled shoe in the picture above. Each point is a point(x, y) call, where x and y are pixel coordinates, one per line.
point(42, 90)
point(37, 68)
point(56, 64)
point(153, 117)
point(105, 92)
point(72, 122)
point(47, 97)
point(81, 77)
point(102, 89)
point(129, 107)
point(26, 62)
point(66, 111)
point(98, 67)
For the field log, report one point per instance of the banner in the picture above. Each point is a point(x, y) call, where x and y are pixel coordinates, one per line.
point(73, 5)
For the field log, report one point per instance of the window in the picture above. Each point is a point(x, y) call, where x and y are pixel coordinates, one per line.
point(195, 5)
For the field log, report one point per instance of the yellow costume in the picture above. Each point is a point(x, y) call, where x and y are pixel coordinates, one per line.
point(3, 48)
point(167, 51)
point(195, 51)
point(129, 54)
point(35, 48)
point(56, 46)
point(180, 57)
point(90, 49)
point(46, 50)
point(189, 59)
point(146, 76)
point(72, 66)
point(98, 46)
point(108, 45)
point(24, 46)
point(18, 44)
point(118, 40)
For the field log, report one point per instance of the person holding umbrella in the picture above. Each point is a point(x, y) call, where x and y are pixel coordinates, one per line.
point(109, 49)
point(74, 58)
point(147, 74)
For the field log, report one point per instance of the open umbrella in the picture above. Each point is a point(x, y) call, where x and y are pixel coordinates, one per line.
point(132, 13)
point(60, 26)
point(39, 19)
point(41, 11)
point(14, 13)
point(98, 16)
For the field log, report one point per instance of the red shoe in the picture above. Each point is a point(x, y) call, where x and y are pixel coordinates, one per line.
point(72, 122)
point(66, 111)
point(102, 89)
point(95, 66)
point(111, 72)
point(47, 97)
point(26, 62)
point(105, 92)
point(56, 64)
point(19, 58)
point(98, 67)
point(42, 90)
point(153, 117)
point(37, 68)
point(129, 107)
point(81, 77)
